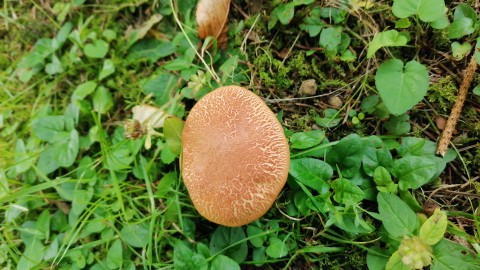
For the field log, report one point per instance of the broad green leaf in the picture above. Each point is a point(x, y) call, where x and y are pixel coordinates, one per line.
point(347, 192)
point(382, 177)
point(459, 51)
point(459, 28)
point(109, 34)
point(172, 130)
point(332, 119)
point(93, 226)
point(43, 223)
point(222, 262)
point(302, 140)
point(97, 49)
point(166, 184)
point(259, 256)
point(46, 161)
point(102, 100)
point(395, 263)
point(78, 259)
point(66, 148)
point(81, 199)
point(338, 15)
point(32, 256)
point(162, 86)
point(227, 236)
point(387, 38)
point(120, 155)
point(313, 23)
point(23, 159)
point(397, 218)
point(256, 241)
point(179, 63)
point(63, 33)
point(398, 125)
point(348, 56)
point(375, 260)
point(477, 50)
point(330, 39)
point(55, 66)
point(312, 172)
point(449, 255)
point(107, 69)
point(401, 87)
point(377, 154)
point(434, 228)
point(277, 248)
point(115, 255)
point(476, 90)
point(350, 221)
point(413, 172)
point(46, 128)
point(440, 23)
point(83, 90)
point(186, 259)
point(464, 10)
point(412, 146)
point(347, 155)
point(403, 23)
point(135, 235)
point(410, 200)
point(284, 12)
point(203, 249)
point(427, 10)
point(150, 49)
point(52, 250)
point(167, 156)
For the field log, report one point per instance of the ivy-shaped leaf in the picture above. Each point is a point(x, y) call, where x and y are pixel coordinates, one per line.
point(401, 87)
point(387, 38)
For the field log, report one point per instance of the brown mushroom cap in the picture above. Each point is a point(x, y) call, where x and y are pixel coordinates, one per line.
point(235, 157)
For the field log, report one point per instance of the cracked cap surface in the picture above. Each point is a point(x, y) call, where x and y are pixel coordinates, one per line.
point(235, 156)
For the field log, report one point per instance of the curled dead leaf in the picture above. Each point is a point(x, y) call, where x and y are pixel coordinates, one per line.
point(145, 119)
point(212, 17)
point(149, 115)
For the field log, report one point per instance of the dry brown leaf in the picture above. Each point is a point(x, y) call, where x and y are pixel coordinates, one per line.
point(212, 17)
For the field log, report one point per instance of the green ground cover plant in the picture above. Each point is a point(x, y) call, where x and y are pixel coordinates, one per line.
point(95, 94)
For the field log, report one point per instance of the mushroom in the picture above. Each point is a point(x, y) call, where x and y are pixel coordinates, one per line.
point(235, 156)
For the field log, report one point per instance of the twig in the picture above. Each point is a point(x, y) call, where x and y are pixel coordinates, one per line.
point(457, 108)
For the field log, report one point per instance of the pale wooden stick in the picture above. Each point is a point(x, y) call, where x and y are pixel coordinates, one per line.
point(457, 108)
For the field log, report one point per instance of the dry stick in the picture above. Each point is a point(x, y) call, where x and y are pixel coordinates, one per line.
point(457, 108)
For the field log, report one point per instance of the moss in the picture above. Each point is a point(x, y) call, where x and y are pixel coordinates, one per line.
point(299, 64)
point(272, 72)
point(333, 83)
point(317, 70)
point(304, 121)
point(443, 92)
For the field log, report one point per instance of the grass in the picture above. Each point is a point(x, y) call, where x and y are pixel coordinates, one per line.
point(75, 193)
